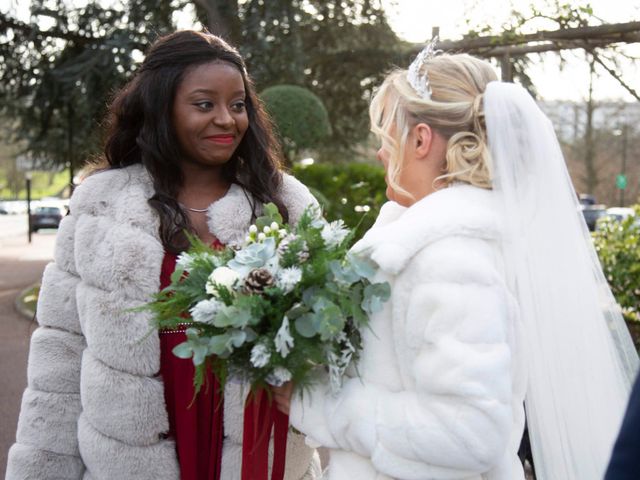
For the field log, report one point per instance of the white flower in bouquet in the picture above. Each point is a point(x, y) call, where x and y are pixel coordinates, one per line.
point(288, 278)
point(223, 276)
point(267, 311)
point(205, 310)
point(260, 355)
point(278, 377)
point(334, 233)
point(184, 261)
point(284, 340)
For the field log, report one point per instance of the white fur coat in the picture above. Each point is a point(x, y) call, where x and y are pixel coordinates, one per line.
point(442, 384)
point(94, 406)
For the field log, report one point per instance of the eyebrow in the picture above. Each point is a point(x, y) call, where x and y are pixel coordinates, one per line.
point(208, 91)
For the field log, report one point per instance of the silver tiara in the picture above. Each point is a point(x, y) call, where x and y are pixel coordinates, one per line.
point(420, 82)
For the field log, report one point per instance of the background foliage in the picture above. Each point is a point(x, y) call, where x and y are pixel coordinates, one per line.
point(618, 246)
point(300, 117)
point(58, 80)
point(353, 192)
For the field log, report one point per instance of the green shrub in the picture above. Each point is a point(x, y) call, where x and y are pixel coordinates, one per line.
point(618, 247)
point(353, 192)
point(301, 119)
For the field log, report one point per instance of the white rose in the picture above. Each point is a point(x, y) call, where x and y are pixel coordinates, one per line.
point(223, 276)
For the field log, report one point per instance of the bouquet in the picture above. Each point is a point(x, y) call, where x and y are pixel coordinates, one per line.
point(287, 303)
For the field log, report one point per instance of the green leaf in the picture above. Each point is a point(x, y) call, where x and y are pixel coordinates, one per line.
point(374, 296)
point(218, 344)
point(183, 350)
point(232, 317)
point(364, 267)
point(270, 214)
point(305, 325)
point(199, 354)
point(343, 273)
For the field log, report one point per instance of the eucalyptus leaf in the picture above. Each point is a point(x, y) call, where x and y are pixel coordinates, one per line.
point(362, 266)
point(218, 344)
point(232, 317)
point(343, 274)
point(305, 325)
point(183, 350)
point(296, 311)
point(237, 338)
point(199, 354)
point(374, 296)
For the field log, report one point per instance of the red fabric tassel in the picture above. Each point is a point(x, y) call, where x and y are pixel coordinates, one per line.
point(261, 418)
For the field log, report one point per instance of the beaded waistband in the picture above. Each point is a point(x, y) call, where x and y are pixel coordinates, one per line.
point(182, 327)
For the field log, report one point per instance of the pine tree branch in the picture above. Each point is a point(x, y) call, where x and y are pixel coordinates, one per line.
point(31, 30)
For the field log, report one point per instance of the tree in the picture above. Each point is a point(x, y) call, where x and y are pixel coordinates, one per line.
point(58, 80)
point(300, 117)
point(339, 50)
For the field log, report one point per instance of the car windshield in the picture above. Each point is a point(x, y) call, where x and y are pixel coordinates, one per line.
point(47, 210)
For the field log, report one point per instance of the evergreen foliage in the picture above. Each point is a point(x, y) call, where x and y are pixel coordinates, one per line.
point(353, 192)
point(300, 117)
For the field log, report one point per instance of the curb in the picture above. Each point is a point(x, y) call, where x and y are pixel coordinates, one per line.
point(20, 305)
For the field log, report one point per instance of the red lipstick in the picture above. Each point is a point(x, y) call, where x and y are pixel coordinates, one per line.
point(224, 139)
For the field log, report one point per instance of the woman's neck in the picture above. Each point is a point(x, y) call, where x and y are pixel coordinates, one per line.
point(201, 186)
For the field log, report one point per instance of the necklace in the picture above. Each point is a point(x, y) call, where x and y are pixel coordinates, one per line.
point(196, 210)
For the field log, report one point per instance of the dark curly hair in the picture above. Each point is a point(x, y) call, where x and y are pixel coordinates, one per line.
point(140, 130)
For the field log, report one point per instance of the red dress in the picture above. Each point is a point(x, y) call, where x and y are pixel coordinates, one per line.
point(197, 427)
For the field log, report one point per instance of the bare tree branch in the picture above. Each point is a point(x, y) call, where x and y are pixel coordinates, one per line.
point(615, 75)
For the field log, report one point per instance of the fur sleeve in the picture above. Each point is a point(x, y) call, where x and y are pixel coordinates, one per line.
point(453, 416)
point(296, 197)
point(47, 441)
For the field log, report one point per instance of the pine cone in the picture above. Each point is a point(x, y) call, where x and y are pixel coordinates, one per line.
point(283, 248)
point(303, 255)
point(257, 280)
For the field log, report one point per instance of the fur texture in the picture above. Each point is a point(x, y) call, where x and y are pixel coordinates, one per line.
point(94, 407)
point(441, 387)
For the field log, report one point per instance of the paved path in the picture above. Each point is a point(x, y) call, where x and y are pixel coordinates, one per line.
point(21, 265)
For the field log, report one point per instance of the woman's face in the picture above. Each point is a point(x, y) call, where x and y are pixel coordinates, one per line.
point(209, 113)
point(421, 164)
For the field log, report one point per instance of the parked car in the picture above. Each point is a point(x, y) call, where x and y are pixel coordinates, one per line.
point(592, 213)
point(45, 217)
point(3, 211)
point(587, 199)
point(618, 214)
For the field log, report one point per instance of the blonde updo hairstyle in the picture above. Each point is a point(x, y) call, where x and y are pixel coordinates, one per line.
point(454, 111)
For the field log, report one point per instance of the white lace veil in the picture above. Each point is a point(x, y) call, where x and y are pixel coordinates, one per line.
point(579, 355)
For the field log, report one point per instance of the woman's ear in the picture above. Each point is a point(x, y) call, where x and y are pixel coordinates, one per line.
point(423, 138)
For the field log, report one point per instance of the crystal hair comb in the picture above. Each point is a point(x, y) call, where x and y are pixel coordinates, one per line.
point(420, 82)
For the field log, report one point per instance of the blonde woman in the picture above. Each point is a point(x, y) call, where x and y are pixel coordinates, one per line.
point(497, 298)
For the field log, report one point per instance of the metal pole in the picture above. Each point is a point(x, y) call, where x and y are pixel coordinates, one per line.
point(29, 206)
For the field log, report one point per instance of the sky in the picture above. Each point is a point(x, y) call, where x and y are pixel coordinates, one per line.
point(413, 20)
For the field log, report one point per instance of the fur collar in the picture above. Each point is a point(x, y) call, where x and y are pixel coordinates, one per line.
point(123, 193)
point(400, 233)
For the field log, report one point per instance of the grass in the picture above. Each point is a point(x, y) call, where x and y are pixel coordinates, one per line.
point(43, 184)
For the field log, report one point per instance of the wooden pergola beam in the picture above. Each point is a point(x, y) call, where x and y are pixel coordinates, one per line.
point(611, 33)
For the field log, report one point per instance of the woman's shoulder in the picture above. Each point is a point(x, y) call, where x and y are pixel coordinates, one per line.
point(106, 186)
point(296, 196)
point(461, 212)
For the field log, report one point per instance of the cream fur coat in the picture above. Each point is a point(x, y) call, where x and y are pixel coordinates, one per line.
point(442, 384)
point(94, 406)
